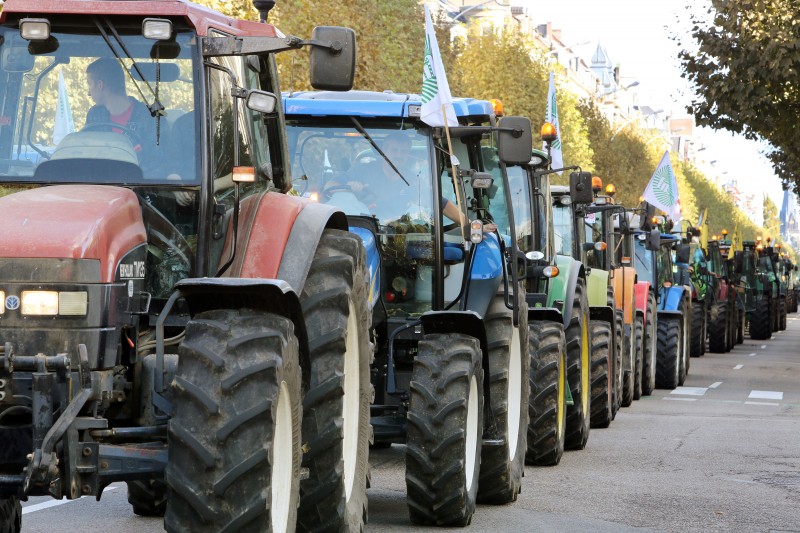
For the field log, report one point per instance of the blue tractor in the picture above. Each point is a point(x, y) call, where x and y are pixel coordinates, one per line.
point(449, 318)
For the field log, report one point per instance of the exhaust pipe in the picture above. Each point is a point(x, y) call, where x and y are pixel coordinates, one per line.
point(263, 7)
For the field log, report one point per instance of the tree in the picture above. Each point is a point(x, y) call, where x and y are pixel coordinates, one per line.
point(744, 67)
point(772, 223)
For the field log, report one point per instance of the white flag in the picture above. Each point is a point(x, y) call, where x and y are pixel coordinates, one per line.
point(64, 121)
point(435, 90)
point(662, 191)
point(556, 158)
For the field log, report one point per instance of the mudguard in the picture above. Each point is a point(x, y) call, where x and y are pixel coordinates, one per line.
point(274, 296)
point(562, 287)
point(602, 313)
point(597, 287)
point(278, 237)
point(670, 298)
point(373, 263)
point(624, 281)
point(544, 314)
point(486, 275)
point(642, 289)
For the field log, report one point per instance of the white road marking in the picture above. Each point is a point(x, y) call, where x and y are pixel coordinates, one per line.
point(763, 346)
point(738, 367)
point(54, 503)
point(680, 399)
point(753, 354)
point(715, 385)
point(762, 403)
point(690, 391)
point(766, 395)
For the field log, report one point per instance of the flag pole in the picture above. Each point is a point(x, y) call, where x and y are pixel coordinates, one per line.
point(453, 169)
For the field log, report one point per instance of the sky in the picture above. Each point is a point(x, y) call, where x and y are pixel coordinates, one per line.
point(641, 36)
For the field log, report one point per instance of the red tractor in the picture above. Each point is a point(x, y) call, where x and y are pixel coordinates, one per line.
point(169, 317)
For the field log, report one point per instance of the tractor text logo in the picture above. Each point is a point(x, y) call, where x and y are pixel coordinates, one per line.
point(12, 303)
point(133, 270)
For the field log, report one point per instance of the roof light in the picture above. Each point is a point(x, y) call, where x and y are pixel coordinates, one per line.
point(497, 106)
point(654, 220)
point(610, 189)
point(414, 110)
point(600, 246)
point(758, 238)
point(597, 184)
point(724, 232)
point(157, 29)
point(549, 133)
point(34, 29)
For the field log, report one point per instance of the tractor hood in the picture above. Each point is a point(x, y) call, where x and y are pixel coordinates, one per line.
point(72, 222)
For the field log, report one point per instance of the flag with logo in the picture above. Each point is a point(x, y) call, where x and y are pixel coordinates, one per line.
point(64, 122)
point(556, 158)
point(437, 103)
point(662, 190)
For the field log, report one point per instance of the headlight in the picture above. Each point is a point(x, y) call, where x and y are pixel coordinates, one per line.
point(2, 302)
point(39, 303)
point(51, 303)
point(72, 303)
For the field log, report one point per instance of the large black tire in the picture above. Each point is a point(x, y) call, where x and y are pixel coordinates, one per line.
point(629, 362)
point(336, 426)
point(601, 376)
point(782, 313)
point(718, 328)
point(547, 407)
point(685, 360)
point(775, 316)
point(234, 436)
point(639, 361)
point(741, 324)
point(445, 427)
point(733, 317)
point(503, 465)
point(761, 320)
point(579, 368)
point(650, 340)
point(617, 363)
point(148, 497)
point(10, 515)
point(668, 353)
point(698, 327)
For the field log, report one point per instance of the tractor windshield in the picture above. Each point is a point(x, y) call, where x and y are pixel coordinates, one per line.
point(643, 259)
point(562, 226)
point(383, 171)
point(76, 108)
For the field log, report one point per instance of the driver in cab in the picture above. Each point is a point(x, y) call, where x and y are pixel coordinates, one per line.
point(390, 194)
point(113, 106)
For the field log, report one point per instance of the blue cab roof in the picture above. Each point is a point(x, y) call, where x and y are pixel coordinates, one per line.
point(371, 104)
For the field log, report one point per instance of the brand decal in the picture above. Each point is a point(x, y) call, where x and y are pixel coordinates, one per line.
point(133, 270)
point(12, 303)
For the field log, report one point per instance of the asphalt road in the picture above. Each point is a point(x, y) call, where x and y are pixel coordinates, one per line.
point(720, 454)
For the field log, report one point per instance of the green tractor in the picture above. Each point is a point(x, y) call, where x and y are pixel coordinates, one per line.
point(572, 221)
point(759, 288)
point(723, 317)
point(557, 300)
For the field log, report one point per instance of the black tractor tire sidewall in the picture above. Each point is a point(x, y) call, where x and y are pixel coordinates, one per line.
point(437, 486)
point(670, 344)
point(236, 371)
point(639, 360)
point(650, 342)
point(10, 515)
point(336, 449)
point(578, 371)
point(602, 349)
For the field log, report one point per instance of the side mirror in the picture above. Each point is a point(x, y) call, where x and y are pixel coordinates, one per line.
point(514, 140)
point(333, 58)
point(683, 253)
point(580, 187)
point(654, 240)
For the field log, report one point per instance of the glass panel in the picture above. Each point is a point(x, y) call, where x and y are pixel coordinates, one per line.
point(643, 261)
point(563, 229)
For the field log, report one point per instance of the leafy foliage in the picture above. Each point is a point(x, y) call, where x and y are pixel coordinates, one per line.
point(744, 66)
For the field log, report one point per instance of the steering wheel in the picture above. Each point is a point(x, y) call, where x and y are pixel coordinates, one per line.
point(132, 136)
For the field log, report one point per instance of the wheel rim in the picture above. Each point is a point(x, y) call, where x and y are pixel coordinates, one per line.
point(472, 432)
point(514, 393)
point(562, 383)
point(282, 463)
point(350, 402)
point(585, 365)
